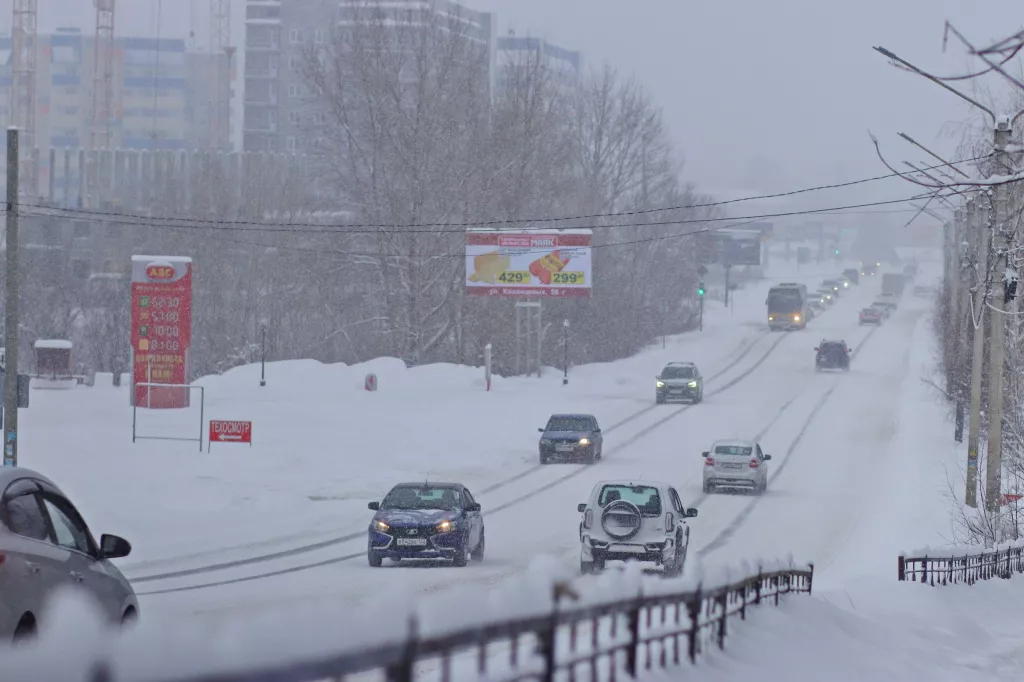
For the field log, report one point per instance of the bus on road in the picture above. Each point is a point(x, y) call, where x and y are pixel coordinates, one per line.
point(787, 306)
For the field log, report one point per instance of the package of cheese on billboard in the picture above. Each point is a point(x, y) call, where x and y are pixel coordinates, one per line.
point(545, 266)
point(487, 267)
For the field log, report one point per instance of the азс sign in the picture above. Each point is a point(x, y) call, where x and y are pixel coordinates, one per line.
point(550, 264)
point(161, 331)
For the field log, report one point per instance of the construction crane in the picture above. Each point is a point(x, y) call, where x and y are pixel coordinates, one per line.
point(23, 88)
point(220, 96)
point(103, 77)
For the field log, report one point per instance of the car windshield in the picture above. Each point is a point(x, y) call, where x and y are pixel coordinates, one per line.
point(569, 424)
point(734, 450)
point(645, 497)
point(422, 497)
point(677, 373)
point(832, 348)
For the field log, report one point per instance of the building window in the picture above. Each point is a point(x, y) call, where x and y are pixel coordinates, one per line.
point(293, 91)
point(290, 144)
point(294, 36)
point(294, 63)
point(293, 117)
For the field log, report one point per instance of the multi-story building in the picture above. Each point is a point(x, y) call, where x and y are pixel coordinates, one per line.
point(566, 64)
point(277, 109)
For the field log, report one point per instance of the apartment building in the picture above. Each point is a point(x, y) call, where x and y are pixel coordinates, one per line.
point(566, 64)
point(277, 110)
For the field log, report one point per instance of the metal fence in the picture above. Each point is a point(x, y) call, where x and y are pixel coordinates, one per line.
point(574, 643)
point(969, 568)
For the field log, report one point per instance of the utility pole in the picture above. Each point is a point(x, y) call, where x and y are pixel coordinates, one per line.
point(981, 236)
point(955, 315)
point(1001, 243)
point(11, 322)
point(960, 322)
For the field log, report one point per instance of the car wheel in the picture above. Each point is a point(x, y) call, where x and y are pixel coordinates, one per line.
point(130, 616)
point(26, 629)
point(708, 488)
point(591, 456)
point(462, 554)
point(374, 560)
point(543, 459)
point(478, 553)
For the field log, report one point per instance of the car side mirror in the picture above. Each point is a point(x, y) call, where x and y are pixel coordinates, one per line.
point(374, 506)
point(597, 430)
point(581, 507)
point(475, 507)
point(705, 453)
point(691, 513)
point(541, 430)
point(114, 547)
point(767, 457)
point(816, 349)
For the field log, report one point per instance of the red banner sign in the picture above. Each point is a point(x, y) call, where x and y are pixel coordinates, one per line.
point(223, 431)
point(161, 331)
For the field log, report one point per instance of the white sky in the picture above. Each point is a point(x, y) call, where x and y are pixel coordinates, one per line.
point(759, 96)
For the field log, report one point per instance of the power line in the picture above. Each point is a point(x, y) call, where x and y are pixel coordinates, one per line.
point(510, 221)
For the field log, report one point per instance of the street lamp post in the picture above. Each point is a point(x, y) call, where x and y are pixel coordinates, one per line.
point(565, 352)
point(263, 354)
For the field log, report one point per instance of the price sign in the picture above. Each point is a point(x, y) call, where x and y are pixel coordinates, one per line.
point(161, 329)
point(567, 278)
point(515, 277)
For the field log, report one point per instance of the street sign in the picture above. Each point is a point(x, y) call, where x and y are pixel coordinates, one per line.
point(161, 330)
point(225, 431)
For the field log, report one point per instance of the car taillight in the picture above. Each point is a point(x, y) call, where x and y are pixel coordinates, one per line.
point(754, 463)
point(670, 522)
point(588, 518)
point(709, 461)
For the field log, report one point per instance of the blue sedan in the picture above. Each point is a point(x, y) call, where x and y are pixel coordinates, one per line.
point(426, 521)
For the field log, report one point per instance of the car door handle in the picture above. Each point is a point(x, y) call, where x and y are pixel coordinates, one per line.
point(76, 576)
point(32, 567)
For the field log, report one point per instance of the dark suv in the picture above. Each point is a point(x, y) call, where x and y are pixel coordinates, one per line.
point(832, 355)
point(679, 381)
point(571, 437)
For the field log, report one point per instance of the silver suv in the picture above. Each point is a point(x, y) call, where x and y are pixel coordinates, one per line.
point(735, 464)
point(44, 543)
point(634, 521)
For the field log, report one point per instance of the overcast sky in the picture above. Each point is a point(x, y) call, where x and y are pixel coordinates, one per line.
point(759, 95)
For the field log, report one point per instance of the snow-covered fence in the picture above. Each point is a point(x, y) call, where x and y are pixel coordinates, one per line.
point(952, 567)
point(583, 630)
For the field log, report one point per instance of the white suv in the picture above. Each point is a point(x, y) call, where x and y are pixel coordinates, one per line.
point(735, 464)
point(634, 521)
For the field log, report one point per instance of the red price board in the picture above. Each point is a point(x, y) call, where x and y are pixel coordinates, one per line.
point(161, 332)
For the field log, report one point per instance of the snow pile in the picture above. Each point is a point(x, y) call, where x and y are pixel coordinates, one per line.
point(955, 551)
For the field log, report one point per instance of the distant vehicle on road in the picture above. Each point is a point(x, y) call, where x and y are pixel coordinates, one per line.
point(574, 437)
point(45, 543)
point(679, 381)
point(832, 354)
point(852, 274)
point(426, 521)
point(891, 301)
point(634, 521)
point(835, 285)
point(884, 308)
point(787, 306)
point(871, 316)
point(870, 269)
point(893, 283)
point(827, 295)
point(735, 464)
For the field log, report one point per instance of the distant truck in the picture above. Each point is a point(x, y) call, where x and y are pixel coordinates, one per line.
point(852, 274)
point(788, 306)
point(893, 283)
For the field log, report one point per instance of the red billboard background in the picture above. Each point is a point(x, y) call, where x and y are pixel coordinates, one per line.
point(161, 330)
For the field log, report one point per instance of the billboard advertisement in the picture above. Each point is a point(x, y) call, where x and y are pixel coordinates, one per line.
point(161, 330)
point(551, 264)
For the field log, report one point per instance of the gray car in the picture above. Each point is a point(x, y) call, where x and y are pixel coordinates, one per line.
point(44, 543)
point(735, 464)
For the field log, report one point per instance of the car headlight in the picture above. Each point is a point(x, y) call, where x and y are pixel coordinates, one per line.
point(584, 441)
point(445, 526)
point(796, 318)
point(545, 441)
point(382, 527)
point(660, 384)
point(692, 384)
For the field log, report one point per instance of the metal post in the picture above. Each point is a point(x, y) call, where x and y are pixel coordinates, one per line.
point(981, 236)
point(700, 325)
point(727, 269)
point(565, 351)
point(1001, 238)
point(11, 350)
point(263, 356)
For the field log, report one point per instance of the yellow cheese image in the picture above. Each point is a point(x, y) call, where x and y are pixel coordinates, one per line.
point(143, 344)
point(487, 267)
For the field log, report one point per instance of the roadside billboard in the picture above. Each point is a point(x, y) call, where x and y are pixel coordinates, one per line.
point(550, 264)
point(161, 330)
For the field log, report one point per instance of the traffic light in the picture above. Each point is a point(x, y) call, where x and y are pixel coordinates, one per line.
point(700, 289)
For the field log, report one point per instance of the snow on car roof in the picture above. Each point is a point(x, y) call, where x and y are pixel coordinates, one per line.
point(679, 363)
point(60, 344)
point(736, 442)
point(633, 482)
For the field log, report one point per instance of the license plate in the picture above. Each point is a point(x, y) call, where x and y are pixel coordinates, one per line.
point(732, 466)
point(411, 542)
point(564, 448)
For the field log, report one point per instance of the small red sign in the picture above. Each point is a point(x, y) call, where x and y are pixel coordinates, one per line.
point(222, 431)
point(160, 272)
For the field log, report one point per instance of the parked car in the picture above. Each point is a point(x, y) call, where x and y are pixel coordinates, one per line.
point(679, 381)
point(635, 521)
point(426, 521)
point(832, 354)
point(45, 543)
point(871, 316)
point(571, 437)
point(735, 464)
